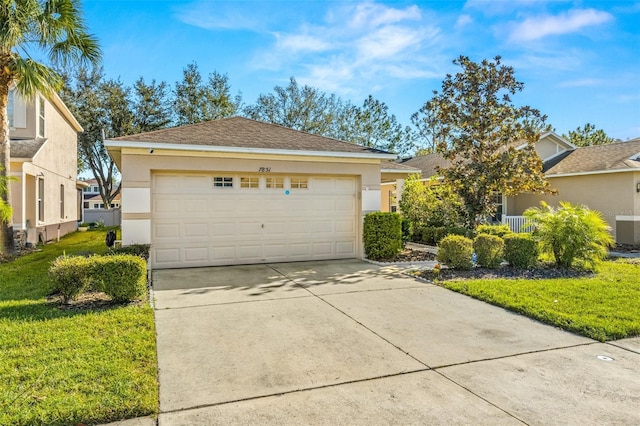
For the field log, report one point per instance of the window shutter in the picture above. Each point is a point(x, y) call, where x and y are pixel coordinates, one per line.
point(19, 112)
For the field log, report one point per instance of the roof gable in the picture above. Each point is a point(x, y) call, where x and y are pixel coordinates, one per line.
point(620, 156)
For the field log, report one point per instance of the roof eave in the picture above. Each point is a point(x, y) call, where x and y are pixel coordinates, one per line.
point(593, 172)
point(110, 143)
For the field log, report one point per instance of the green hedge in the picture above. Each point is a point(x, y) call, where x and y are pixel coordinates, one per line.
point(122, 277)
point(497, 230)
point(520, 250)
point(432, 235)
point(489, 250)
point(140, 250)
point(456, 251)
point(71, 276)
point(382, 235)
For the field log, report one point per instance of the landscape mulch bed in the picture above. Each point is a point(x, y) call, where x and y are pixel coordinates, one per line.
point(91, 300)
point(410, 255)
point(503, 272)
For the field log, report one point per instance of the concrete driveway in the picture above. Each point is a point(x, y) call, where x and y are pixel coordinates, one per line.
point(347, 342)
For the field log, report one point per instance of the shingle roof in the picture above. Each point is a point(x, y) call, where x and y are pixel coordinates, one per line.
point(392, 165)
point(240, 132)
point(428, 163)
point(25, 148)
point(615, 156)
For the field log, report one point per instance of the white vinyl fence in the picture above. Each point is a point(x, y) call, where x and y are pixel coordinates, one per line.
point(516, 223)
point(111, 217)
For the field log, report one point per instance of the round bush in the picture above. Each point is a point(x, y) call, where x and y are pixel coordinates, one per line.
point(520, 250)
point(71, 276)
point(456, 251)
point(489, 250)
point(498, 230)
point(123, 276)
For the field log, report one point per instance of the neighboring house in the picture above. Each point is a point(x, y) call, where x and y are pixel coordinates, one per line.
point(604, 178)
point(92, 198)
point(45, 195)
point(96, 202)
point(239, 191)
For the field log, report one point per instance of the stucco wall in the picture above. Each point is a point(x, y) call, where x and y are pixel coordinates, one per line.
point(56, 163)
point(613, 194)
point(138, 165)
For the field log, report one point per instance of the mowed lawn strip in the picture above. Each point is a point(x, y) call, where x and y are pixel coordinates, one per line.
point(61, 367)
point(604, 307)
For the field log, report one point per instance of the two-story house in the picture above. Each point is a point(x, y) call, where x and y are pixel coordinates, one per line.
point(45, 193)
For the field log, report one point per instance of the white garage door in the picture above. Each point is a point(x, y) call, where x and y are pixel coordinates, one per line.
point(230, 218)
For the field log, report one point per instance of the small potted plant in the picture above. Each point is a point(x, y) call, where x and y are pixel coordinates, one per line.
point(83, 227)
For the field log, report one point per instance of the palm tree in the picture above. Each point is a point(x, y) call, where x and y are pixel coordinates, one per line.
point(53, 28)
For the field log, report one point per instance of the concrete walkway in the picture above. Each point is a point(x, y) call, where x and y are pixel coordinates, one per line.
point(348, 342)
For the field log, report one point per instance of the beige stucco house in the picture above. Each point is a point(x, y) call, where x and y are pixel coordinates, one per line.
point(45, 195)
point(239, 191)
point(604, 178)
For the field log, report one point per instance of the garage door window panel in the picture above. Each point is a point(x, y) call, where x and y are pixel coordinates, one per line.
point(223, 182)
point(299, 183)
point(275, 182)
point(250, 182)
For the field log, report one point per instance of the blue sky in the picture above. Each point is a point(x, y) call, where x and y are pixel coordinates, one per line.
point(579, 60)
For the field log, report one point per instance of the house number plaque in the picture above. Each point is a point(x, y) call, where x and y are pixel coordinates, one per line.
point(264, 169)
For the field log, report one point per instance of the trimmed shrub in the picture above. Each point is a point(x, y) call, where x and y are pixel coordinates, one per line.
point(140, 250)
point(71, 276)
point(382, 235)
point(489, 250)
point(498, 230)
point(122, 276)
point(460, 230)
point(406, 231)
point(456, 252)
point(520, 250)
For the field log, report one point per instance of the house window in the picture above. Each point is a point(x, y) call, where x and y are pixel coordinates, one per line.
point(101, 205)
point(40, 200)
point(61, 201)
point(41, 118)
point(10, 108)
point(222, 182)
point(250, 182)
point(275, 182)
point(85, 205)
point(112, 205)
point(299, 183)
point(497, 217)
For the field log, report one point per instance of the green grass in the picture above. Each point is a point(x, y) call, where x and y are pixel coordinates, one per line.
point(62, 367)
point(604, 307)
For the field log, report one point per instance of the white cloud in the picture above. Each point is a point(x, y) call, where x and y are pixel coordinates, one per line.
point(301, 42)
point(370, 14)
point(355, 46)
point(583, 82)
point(463, 21)
point(535, 28)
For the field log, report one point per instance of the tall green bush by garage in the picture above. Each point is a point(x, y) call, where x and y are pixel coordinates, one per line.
point(382, 235)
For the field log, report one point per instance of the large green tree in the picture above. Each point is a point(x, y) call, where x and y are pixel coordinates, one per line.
point(151, 108)
point(375, 127)
point(481, 132)
point(196, 100)
point(52, 29)
point(303, 108)
point(588, 136)
point(104, 109)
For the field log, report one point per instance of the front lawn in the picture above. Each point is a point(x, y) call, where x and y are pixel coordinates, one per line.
point(605, 306)
point(67, 366)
